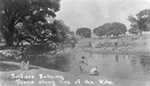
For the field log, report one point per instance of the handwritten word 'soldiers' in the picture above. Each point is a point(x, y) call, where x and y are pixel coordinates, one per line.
point(23, 79)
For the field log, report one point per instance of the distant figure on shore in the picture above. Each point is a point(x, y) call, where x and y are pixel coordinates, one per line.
point(91, 45)
point(116, 45)
point(82, 48)
point(24, 64)
point(94, 71)
point(82, 62)
point(122, 42)
point(22, 53)
point(83, 57)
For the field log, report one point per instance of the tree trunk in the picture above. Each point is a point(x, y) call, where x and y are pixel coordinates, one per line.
point(8, 36)
point(9, 41)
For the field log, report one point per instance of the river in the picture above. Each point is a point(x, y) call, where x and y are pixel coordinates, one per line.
point(116, 66)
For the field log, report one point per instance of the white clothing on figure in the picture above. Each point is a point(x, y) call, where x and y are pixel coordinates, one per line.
point(94, 71)
point(92, 46)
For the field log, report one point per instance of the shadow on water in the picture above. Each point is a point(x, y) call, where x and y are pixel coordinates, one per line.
point(145, 63)
point(116, 58)
point(58, 62)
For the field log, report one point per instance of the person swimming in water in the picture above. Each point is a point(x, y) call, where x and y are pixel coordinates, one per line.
point(83, 61)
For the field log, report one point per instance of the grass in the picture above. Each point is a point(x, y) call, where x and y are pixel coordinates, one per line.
point(8, 67)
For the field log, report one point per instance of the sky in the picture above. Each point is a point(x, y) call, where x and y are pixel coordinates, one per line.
point(93, 13)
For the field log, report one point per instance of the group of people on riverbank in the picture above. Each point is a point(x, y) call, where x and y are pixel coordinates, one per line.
point(114, 45)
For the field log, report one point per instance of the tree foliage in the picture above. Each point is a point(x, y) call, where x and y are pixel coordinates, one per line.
point(134, 31)
point(118, 29)
point(141, 21)
point(25, 20)
point(84, 32)
point(109, 29)
point(99, 31)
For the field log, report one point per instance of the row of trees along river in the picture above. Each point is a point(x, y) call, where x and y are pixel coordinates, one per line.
point(139, 23)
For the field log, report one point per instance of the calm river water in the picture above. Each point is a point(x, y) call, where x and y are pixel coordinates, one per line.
point(117, 66)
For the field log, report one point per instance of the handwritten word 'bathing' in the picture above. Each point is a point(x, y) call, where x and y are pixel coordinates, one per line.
point(41, 76)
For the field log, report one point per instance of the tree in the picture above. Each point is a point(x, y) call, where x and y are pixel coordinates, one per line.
point(84, 32)
point(142, 24)
point(99, 31)
point(31, 15)
point(134, 31)
point(40, 33)
point(118, 29)
point(141, 20)
point(109, 29)
point(102, 30)
point(66, 35)
point(66, 28)
point(71, 32)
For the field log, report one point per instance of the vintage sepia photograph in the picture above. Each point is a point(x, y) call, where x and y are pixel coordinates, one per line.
point(74, 42)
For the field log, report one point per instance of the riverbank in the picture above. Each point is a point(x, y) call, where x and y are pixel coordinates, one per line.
point(135, 51)
point(126, 45)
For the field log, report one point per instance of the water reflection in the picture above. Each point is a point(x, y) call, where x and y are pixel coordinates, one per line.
point(116, 57)
point(145, 63)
